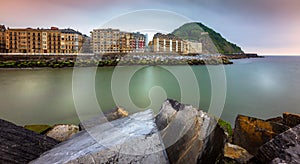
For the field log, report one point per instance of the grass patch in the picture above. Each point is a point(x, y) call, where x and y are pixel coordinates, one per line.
point(40, 129)
point(226, 126)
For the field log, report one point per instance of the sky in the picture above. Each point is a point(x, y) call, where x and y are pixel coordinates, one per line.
point(267, 27)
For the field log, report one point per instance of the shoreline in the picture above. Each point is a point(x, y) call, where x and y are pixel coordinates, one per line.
point(61, 61)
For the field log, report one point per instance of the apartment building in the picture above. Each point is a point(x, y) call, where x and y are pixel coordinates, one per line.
point(173, 44)
point(167, 43)
point(133, 42)
point(52, 40)
point(116, 41)
point(106, 40)
point(2, 39)
point(71, 41)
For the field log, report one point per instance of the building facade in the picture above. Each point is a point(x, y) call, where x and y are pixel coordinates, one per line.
point(192, 47)
point(167, 43)
point(38, 40)
point(71, 41)
point(132, 42)
point(116, 41)
point(106, 40)
point(173, 44)
point(2, 39)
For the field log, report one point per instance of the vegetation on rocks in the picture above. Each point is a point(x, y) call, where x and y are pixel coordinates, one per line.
point(40, 129)
point(194, 31)
point(226, 127)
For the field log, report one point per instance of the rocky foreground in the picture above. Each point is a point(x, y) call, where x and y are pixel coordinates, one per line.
point(179, 133)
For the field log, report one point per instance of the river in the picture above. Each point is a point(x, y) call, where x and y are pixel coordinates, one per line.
point(261, 87)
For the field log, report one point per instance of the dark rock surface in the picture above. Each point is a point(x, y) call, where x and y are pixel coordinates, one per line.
point(276, 119)
point(251, 133)
point(283, 148)
point(189, 135)
point(132, 139)
point(290, 119)
point(19, 145)
point(111, 115)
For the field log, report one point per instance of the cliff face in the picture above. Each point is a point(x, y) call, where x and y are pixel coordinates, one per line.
point(212, 41)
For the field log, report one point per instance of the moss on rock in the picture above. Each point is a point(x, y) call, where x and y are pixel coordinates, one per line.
point(40, 129)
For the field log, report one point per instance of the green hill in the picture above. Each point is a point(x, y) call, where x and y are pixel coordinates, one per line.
point(212, 41)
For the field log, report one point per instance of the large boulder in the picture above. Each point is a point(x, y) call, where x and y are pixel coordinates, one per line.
point(189, 135)
point(132, 139)
point(110, 115)
point(251, 133)
point(290, 119)
point(19, 145)
point(62, 132)
point(284, 148)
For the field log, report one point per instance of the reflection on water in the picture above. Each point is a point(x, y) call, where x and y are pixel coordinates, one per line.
point(257, 87)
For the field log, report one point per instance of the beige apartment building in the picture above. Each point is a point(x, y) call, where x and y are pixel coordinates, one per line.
point(71, 41)
point(173, 44)
point(52, 40)
point(167, 43)
point(116, 41)
point(106, 40)
point(2, 39)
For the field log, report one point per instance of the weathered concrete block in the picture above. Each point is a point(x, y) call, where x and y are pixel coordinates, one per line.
point(132, 139)
point(111, 115)
point(190, 135)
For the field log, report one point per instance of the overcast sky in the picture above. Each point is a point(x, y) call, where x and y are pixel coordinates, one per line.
point(262, 26)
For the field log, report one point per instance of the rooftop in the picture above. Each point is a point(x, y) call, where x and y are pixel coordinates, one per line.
point(70, 31)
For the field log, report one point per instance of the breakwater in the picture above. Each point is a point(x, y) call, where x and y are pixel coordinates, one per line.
point(59, 61)
point(242, 55)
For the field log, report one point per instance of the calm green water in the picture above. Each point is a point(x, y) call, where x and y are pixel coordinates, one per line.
point(256, 87)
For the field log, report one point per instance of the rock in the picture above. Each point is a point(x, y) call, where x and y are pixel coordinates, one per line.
point(283, 148)
point(189, 135)
point(236, 154)
point(276, 119)
point(41, 129)
point(132, 139)
point(290, 119)
point(251, 133)
point(111, 115)
point(19, 145)
point(277, 160)
point(62, 132)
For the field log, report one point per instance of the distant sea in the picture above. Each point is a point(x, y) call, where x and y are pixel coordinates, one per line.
point(259, 87)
